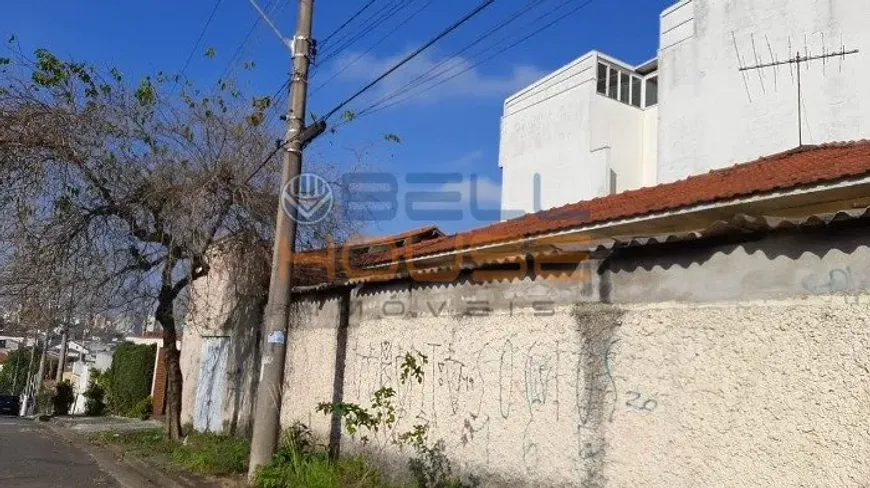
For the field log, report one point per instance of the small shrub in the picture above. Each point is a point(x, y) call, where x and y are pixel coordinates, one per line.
point(432, 468)
point(142, 409)
point(45, 401)
point(299, 462)
point(95, 394)
point(63, 398)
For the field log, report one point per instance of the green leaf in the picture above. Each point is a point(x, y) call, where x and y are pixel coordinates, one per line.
point(348, 116)
point(145, 94)
point(210, 53)
point(5, 61)
point(392, 138)
point(249, 65)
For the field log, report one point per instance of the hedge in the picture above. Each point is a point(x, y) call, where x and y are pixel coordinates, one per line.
point(130, 376)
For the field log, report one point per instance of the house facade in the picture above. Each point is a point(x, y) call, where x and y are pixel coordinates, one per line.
point(706, 332)
point(600, 126)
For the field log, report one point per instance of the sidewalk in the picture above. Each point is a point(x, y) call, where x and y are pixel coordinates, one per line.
point(95, 425)
point(128, 469)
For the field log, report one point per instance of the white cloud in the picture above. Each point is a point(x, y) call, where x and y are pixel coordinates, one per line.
point(488, 191)
point(472, 82)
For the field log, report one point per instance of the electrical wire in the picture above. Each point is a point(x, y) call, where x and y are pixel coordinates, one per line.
point(378, 106)
point(376, 44)
point(424, 77)
point(214, 10)
point(371, 24)
point(409, 57)
point(377, 80)
point(273, 7)
point(382, 105)
point(348, 21)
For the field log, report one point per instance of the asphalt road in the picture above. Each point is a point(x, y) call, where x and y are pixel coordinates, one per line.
point(31, 455)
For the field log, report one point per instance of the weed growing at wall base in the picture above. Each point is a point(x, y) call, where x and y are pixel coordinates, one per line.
point(430, 465)
point(200, 453)
point(300, 462)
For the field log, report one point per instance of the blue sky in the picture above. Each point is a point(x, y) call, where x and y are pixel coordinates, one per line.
point(453, 128)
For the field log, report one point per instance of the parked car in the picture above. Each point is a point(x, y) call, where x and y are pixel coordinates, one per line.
point(9, 404)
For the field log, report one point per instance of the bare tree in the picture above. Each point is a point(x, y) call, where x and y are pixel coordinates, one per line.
point(116, 191)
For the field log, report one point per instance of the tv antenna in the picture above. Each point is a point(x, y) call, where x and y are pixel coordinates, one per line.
point(798, 60)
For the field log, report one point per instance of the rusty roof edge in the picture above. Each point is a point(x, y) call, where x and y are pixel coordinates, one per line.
point(607, 244)
point(791, 192)
point(715, 228)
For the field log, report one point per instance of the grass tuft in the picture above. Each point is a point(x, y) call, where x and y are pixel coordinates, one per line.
point(201, 453)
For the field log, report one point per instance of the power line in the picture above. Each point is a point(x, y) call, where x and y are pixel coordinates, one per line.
point(273, 6)
point(321, 123)
point(382, 39)
point(278, 100)
point(409, 57)
point(384, 14)
point(421, 79)
point(348, 21)
point(199, 39)
point(378, 106)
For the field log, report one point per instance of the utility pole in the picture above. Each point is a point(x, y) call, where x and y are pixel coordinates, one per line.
point(41, 370)
point(35, 382)
point(269, 391)
point(61, 360)
point(25, 405)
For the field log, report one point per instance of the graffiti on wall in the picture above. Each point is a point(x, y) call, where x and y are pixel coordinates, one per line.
point(837, 281)
point(505, 394)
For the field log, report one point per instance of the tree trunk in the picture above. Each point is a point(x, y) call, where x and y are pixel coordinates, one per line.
point(165, 315)
point(173, 390)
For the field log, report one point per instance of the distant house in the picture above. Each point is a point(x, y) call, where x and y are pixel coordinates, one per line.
point(85, 358)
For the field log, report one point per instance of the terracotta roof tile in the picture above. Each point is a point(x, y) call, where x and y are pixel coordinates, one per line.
point(799, 167)
point(325, 265)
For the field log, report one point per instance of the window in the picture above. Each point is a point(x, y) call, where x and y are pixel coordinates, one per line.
point(652, 91)
point(636, 87)
point(612, 182)
point(613, 83)
point(602, 78)
point(624, 87)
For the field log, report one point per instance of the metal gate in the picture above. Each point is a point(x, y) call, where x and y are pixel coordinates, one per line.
point(208, 412)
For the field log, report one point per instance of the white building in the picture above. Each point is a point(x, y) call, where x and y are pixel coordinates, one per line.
point(600, 126)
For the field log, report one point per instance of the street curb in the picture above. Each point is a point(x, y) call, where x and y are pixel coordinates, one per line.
point(128, 470)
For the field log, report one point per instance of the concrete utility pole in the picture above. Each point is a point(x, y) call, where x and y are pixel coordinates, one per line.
point(25, 404)
point(40, 374)
point(61, 360)
point(269, 392)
